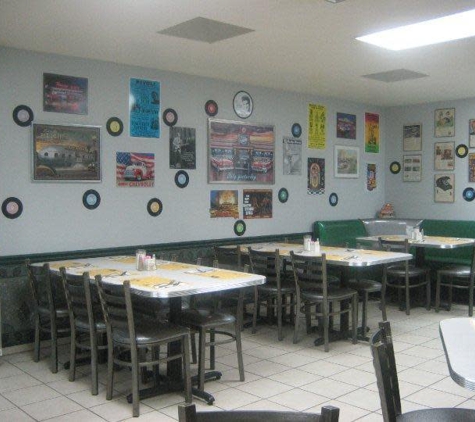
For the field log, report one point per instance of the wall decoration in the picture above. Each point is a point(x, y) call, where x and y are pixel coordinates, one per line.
point(347, 161)
point(91, 199)
point(135, 169)
point(211, 108)
point(316, 176)
point(283, 195)
point(296, 130)
point(224, 204)
point(412, 137)
point(154, 207)
point(144, 106)
point(444, 156)
point(461, 151)
point(114, 126)
point(12, 208)
point(371, 136)
point(471, 167)
point(371, 177)
point(345, 126)
point(292, 156)
point(333, 199)
point(395, 167)
point(317, 126)
point(257, 203)
point(239, 228)
point(468, 194)
point(444, 122)
point(182, 179)
point(23, 115)
point(66, 153)
point(471, 133)
point(182, 148)
point(64, 94)
point(240, 152)
point(412, 168)
point(243, 105)
point(444, 187)
point(170, 117)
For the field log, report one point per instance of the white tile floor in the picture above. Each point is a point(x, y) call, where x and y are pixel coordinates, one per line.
point(279, 375)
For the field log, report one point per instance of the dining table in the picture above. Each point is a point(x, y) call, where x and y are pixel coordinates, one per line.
point(458, 339)
point(170, 281)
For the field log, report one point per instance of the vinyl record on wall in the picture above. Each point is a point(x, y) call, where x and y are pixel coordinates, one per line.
point(283, 195)
point(461, 151)
point(12, 208)
point(333, 199)
point(154, 207)
point(23, 115)
point(395, 167)
point(182, 179)
point(114, 126)
point(296, 130)
point(239, 227)
point(469, 194)
point(211, 108)
point(170, 117)
point(91, 199)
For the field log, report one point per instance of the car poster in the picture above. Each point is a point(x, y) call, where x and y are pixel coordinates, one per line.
point(135, 169)
point(316, 176)
point(224, 204)
point(182, 148)
point(257, 203)
point(144, 105)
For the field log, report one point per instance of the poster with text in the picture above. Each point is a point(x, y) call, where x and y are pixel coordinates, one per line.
point(371, 142)
point(224, 204)
point(257, 203)
point(292, 156)
point(144, 106)
point(135, 169)
point(316, 176)
point(64, 94)
point(182, 148)
point(317, 129)
point(371, 181)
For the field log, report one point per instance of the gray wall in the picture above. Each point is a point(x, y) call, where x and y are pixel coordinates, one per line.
point(54, 218)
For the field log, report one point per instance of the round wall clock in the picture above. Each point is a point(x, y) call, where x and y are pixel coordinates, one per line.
point(239, 227)
point(12, 208)
point(211, 108)
point(91, 199)
point(296, 130)
point(170, 117)
point(469, 194)
point(243, 104)
point(181, 179)
point(23, 115)
point(154, 207)
point(461, 151)
point(333, 199)
point(283, 195)
point(114, 126)
point(395, 167)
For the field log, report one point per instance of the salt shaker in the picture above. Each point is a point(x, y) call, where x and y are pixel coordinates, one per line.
point(140, 255)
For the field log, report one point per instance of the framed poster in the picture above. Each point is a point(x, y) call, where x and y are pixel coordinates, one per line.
point(224, 204)
point(345, 126)
point(371, 180)
point(64, 94)
point(412, 137)
point(66, 153)
point(347, 161)
point(444, 122)
point(182, 148)
point(471, 133)
point(135, 169)
point(292, 156)
point(257, 203)
point(444, 155)
point(317, 126)
point(471, 167)
point(371, 137)
point(412, 165)
point(240, 152)
point(316, 176)
point(144, 106)
point(444, 187)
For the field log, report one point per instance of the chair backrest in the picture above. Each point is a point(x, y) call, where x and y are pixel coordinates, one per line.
point(396, 246)
point(228, 257)
point(187, 413)
point(267, 264)
point(310, 272)
point(82, 298)
point(117, 307)
point(384, 363)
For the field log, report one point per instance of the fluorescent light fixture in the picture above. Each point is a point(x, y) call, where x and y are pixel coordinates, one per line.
point(434, 31)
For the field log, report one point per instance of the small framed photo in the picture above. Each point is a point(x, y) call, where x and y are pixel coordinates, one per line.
point(444, 187)
point(444, 155)
point(444, 122)
point(471, 133)
point(243, 104)
point(471, 167)
point(345, 126)
point(412, 137)
point(347, 161)
point(412, 168)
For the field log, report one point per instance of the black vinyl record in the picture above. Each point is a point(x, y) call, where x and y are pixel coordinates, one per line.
point(461, 151)
point(182, 179)
point(395, 167)
point(211, 108)
point(23, 115)
point(333, 199)
point(296, 130)
point(12, 208)
point(239, 227)
point(283, 195)
point(469, 194)
point(114, 126)
point(154, 207)
point(170, 117)
point(91, 199)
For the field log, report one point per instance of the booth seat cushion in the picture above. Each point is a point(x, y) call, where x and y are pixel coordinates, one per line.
point(388, 226)
point(338, 232)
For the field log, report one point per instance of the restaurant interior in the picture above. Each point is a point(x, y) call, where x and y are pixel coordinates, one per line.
point(186, 128)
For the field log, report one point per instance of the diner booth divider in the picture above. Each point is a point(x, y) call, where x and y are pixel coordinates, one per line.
point(17, 321)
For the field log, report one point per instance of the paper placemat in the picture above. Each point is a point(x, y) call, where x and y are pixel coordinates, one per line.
point(173, 266)
point(125, 259)
point(69, 265)
point(104, 272)
point(221, 274)
point(150, 281)
point(447, 240)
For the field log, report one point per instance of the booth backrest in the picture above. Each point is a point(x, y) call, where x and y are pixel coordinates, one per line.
point(388, 226)
point(338, 232)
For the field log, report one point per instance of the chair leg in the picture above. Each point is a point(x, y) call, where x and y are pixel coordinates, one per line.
point(296, 322)
point(437, 293)
point(364, 312)
point(135, 382)
point(94, 369)
point(255, 310)
point(383, 294)
point(428, 292)
point(110, 368)
point(407, 294)
point(239, 352)
point(470, 300)
point(72, 355)
point(354, 317)
point(36, 354)
point(54, 348)
point(279, 318)
point(449, 305)
point(193, 348)
point(326, 323)
point(212, 348)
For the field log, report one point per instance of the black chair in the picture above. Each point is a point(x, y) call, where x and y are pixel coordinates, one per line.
point(388, 385)
point(229, 257)
point(188, 413)
point(88, 329)
point(404, 277)
point(124, 334)
point(278, 293)
point(50, 310)
point(314, 291)
point(456, 277)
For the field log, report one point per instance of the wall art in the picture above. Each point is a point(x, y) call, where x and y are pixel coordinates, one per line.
point(64, 94)
point(347, 161)
point(292, 157)
point(444, 187)
point(257, 203)
point(346, 126)
point(144, 106)
point(444, 122)
point(182, 148)
point(412, 166)
point(224, 204)
point(444, 155)
point(371, 136)
point(315, 176)
point(371, 177)
point(412, 137)
point(243, 104)
point(135, 169)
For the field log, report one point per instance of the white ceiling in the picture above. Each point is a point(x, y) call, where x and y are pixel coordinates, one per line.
point(305, 46)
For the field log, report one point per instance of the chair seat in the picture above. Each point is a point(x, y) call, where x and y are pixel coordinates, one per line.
point(400, 271)
point(205, 318)
point(455, 271)
point(149, 333)
point(333, 294)
point(438, 415)
point(364, 285)
point(286, 288)
point(60, 312)
point(83, 325)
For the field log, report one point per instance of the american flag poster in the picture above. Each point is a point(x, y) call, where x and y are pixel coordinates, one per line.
point(135, 169)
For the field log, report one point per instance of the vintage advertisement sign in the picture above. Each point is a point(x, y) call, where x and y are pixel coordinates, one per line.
point(144, 104)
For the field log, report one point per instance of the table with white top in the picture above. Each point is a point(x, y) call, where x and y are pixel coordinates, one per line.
point(170, 280)
point(458, 339)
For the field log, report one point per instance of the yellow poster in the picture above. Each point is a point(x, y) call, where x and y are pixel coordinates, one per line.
point(317, 126)
point(371, 141)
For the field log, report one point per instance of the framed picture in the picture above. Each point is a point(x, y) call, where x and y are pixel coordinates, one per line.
point(412, 168)
point(444, 122)
point(135, 169)
point(412, 137)
point(345, 126)
point(240, 152)
point(182, 147)
point(66, 153)
point(444, 187)
point(347, 161)
point(292, 156)
point(242, 104)
point(444, 155)
point(315, 176)
point(64, 94)
point(471, 133)
point(257, 203)
point(224, 204)
point(471, 167)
